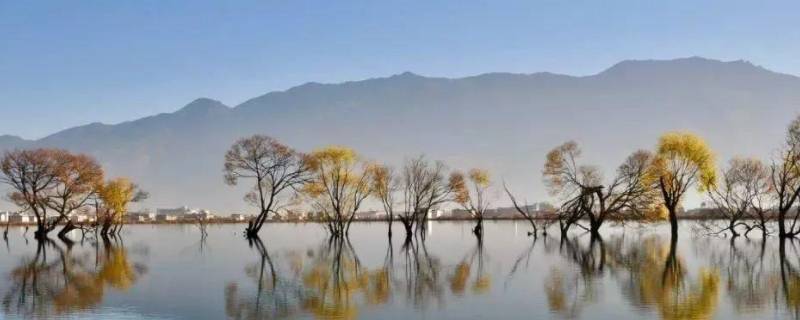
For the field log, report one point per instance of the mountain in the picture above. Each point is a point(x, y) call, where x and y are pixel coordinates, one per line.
point(501, 121)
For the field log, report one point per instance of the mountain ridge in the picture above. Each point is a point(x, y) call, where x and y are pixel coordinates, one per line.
point(505, 122)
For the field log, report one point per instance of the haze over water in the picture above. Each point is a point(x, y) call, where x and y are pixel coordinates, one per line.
point(167, 272)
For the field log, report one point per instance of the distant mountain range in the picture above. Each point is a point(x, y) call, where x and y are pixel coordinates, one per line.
point(500, 121)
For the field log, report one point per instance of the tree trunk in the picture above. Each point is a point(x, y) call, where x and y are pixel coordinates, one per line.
point(391, 219)
point(69, 226)
point(594, 228)
point(781, 224)
point(41, 231)
point(478, 230)
point(732, 229)
point(673, 221)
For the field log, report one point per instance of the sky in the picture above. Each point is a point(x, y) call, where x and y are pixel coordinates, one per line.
point(68, 63)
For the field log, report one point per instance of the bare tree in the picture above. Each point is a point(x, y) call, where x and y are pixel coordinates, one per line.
point(424, 187)
point(32, 176)
point(275, 168)
point(785, 182)
point(737, 196)
point(628, 195)
point(78, 177)
point(524, 211)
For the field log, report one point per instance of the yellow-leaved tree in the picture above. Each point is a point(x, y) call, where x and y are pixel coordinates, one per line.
point(116, 195)
point(339, 183)
point(471, 193)
point(682, 160)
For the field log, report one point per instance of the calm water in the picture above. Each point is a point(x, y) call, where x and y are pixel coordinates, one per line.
point(167, 272)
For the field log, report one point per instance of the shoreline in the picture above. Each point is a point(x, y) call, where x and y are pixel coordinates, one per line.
point(221, 221)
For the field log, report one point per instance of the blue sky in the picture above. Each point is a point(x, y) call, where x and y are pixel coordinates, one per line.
point(66, 63)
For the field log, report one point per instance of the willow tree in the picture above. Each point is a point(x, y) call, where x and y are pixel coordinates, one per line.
point(630, 194)
point(275, 170)
point(739, 193)
point(339, 184)
point(682, 160)
point(384, 185)
point(115, 196)
point(471, 193)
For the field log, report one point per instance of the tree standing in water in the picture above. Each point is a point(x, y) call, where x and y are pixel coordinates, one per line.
point(275, 168)
point(629, 195)
point(115, 196)
point(738, 194)
point(384, 185)
point(682, 160)
point(785, 182)
point(340, 182)
point(424, 186)
point(32, 176)
point(78, 177)
point(471, 193)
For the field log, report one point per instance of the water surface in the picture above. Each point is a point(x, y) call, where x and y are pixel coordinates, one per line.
point(296, 272)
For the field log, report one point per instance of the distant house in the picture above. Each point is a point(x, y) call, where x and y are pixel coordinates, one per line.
point(166, 218)
point(199, 215)
point(292, 215)
point(369, 215)
point(435, 213)
point(4, 215)
point(79, 218)
point(20, 218)
point(461, 214)
point(176, 212)
point(141, 216)
point(238, 217)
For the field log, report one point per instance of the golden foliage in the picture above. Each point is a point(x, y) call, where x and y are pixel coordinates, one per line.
point(458, 282)
point(480, 177)
point(682, 157)
point(117, 194)
point(458, 185)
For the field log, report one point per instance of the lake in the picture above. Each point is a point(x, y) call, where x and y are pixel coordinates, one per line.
point(295, 272)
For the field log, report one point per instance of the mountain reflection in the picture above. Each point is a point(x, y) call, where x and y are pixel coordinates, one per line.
point(59, 280)
point(330, 281)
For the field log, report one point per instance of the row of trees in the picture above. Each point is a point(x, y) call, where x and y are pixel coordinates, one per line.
point(51, 184)
point(648, 185)
point(335, 181)
point(748, 193)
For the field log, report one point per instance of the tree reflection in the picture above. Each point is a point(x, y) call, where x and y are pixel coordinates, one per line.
point(273, 298)
point(749, 282)
point(651, 272)
point(790, 276)
point(569, 291)
point(57, 280)
point(329, 281)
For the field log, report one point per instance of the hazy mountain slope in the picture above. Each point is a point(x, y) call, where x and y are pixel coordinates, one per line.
point(504, 122)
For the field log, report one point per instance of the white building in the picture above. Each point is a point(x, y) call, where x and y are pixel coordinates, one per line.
point(178, 212)
point(80, 218)
point(20, 218)
point(4, 215)
point(199, 214)
point(141, 216)
point(435, 213)
point(238, 217)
